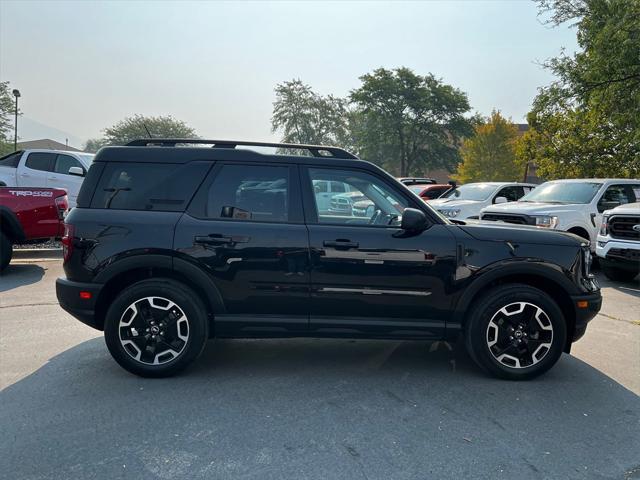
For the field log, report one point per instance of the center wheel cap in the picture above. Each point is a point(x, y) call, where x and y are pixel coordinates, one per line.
point(155, 329)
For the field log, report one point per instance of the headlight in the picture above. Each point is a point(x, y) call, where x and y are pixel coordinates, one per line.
point(546, 221)
point(604, 227)
point(450, 213)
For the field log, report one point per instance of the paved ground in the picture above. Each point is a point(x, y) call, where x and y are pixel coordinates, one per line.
point(312, 409)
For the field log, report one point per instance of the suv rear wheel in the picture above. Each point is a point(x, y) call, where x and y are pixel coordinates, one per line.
point(515, 332)
point(155, 328)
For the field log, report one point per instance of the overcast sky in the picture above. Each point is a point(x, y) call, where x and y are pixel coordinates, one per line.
point(82, 66)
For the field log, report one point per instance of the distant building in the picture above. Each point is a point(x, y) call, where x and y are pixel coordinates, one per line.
point(47, 144)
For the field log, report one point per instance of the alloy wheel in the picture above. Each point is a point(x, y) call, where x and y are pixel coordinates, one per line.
point(153, 330)
point(519, 335)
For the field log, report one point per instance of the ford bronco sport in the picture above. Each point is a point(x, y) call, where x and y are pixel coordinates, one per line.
point(172, 243)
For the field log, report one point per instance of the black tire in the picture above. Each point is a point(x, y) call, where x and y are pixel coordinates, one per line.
point(479, 334)
point(6, 251)
point(618, 274)
point(190, 311)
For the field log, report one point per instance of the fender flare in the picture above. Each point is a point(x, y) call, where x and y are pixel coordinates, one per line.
point(194, 275)
point(11, 225)
point(484, 278)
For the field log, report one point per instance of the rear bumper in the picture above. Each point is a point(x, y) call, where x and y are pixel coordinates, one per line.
point(585, 312)
point(83, 309)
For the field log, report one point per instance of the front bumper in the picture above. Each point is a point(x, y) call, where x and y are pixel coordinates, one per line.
point(83, 309)
point(618, 250)
point(586, 308)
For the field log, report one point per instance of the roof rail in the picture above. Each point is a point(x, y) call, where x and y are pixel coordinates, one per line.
point(315, 150)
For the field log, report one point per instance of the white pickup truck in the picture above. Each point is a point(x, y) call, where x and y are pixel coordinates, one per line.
point(46, 168)
point(618, 244)
point(574, 206)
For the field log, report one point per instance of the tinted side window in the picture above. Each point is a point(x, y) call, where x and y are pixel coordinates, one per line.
point(242, 192)
point(11, 160)
point(148, 186)
point(41, 161)
point(615, 195)
point(64, 163)
point(512, 193)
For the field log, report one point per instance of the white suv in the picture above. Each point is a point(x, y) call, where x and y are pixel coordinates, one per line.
point(574, 206)
point(618, 243)
point(466, 201)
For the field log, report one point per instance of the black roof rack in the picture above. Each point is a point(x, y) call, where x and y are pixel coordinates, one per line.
point(315, 150)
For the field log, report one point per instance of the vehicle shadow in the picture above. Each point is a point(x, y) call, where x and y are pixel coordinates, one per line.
point(18, 275)
point(308, 408)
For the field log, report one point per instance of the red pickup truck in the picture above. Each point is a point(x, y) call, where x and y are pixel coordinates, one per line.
point(30, 215)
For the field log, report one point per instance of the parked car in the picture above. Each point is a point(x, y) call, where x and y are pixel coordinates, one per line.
point(325, 191)
point(29, 215)
point(342, 203)
point(163, 252)
point(415, 180)
point(618, 244)
point(574, 206)
point(430, 191)
point(466, 201)
point(45, 169)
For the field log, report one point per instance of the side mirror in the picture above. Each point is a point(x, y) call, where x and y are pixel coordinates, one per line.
point(78, 171)
point(413, 220)
point(501, 200)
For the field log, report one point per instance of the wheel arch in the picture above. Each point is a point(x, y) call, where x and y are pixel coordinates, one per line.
point(580, 231)
point(546, 279)
point(126, 272)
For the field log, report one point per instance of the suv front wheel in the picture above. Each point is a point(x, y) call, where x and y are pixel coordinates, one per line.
point(155, 328)
point(515, 332)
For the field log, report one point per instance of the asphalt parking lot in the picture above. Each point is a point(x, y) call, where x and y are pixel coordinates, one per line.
point(317, 409)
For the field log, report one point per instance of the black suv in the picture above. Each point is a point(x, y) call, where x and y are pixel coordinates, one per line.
point(173, 243)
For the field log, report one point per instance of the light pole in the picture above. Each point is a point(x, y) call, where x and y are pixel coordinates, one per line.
point(16, 93)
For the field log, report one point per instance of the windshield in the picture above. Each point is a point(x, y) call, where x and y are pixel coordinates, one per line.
point(87, 158)
point(563, 192)
point(471, 191)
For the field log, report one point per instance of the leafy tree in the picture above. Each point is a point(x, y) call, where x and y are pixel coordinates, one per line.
point(586, 123)
point(7, 112)
point(304, 116)
point(489, 155)
point(139, 126)
point(409, 122)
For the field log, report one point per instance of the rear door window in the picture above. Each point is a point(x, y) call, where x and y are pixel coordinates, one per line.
point(246, 193)
point(148, 186)
point(41, 161)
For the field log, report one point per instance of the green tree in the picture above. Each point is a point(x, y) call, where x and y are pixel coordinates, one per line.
point(7, 112)
point(586, 123)
point(489, 155)
point(139, 126)
point(407, 122)
point(304, 116)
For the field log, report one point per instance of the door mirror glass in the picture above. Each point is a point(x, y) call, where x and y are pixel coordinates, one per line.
point(501, 200)
point(413, 220)
point(76, 171)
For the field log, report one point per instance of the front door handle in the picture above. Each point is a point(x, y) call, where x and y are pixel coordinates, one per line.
point(212, 239)
point(341, 244)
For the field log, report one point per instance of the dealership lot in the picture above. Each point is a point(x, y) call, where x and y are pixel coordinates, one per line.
point(308, 408)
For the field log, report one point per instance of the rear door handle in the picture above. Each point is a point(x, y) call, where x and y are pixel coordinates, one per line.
point(212, 239)
point(341, 244)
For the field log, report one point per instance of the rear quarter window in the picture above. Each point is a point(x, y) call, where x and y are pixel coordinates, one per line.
point(163, 187)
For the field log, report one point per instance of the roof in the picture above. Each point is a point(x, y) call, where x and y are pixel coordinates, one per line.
point(502, 183)
point(46, 144)
point(595, 180)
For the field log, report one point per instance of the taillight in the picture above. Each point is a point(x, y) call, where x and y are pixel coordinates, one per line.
point(62, 204)
point(67, 241)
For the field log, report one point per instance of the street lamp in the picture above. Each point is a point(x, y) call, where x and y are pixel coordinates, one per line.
point(16, 93)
